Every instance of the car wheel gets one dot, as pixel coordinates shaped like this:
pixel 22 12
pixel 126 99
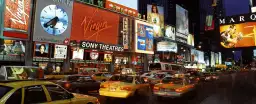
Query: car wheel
pixel 104 80
pixel 159 98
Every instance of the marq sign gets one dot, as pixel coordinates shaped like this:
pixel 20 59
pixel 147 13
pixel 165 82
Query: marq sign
pixel 237 19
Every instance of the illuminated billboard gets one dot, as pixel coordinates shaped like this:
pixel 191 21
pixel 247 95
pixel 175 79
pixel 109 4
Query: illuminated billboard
pixel 238 35
pixel 170 32
pixel 182 25
pixel 94 24
pixel 16 18
pixel 166 46
pixel 155 16
pixel 144 37
pixel 129 7
pixel 191 40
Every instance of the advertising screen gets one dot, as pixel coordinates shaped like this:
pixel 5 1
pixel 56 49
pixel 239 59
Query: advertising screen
pixel 212 59
pixel 17 18
pixel 166 46
pixel 144 37
pixel 60 51
pixel 238 35
pixel 194 55
pixel 170 32
pixel 220 58
pixel 78 53
pixel 155 16
pixel 201 57
pixel 41 50
pixel 216 58
pixel 94 24
pixel 254 52
pixel 108 57
pixel 53 21
pixel 182 25
pixel 191 40
pixel 12 48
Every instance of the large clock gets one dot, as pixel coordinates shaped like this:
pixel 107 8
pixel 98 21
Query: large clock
pixel 54 20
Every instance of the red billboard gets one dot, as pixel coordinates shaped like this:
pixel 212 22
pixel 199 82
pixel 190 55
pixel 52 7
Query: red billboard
pixel 94 24
pixel 17 18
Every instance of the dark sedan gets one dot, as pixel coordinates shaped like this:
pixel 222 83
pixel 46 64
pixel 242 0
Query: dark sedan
pixel 79 83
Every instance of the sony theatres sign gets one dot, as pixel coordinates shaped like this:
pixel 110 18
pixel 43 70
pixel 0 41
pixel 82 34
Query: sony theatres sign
pixel 238 19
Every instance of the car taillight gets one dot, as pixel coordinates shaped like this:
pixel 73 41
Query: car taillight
pixel 103 86
pixel 178 90
pixel 156 88
pixel 126 88
pixel 67 85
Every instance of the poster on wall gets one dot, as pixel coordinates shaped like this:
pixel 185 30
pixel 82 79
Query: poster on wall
pixel 129 7
pixel 182 25
pixel 60 51
pixel 144 37
pixel 78 54
pixel 41 50
pixel 170 32
pixel 53 21
pixel 85 24
pixel 166 46
pixel 155 16
pixel 16 18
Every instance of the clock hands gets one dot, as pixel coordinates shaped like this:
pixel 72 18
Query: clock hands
pixel 52 22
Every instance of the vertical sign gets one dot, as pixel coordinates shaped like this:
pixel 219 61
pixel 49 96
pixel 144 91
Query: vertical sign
pixel 125 31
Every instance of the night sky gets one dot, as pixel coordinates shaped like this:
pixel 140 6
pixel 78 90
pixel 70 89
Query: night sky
pixel 236 7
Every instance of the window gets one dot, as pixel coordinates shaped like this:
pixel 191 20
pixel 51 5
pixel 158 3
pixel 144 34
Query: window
pixel 34 94
pixel 98 74
pixel 57 93
pixel 15 98
pixel 4 90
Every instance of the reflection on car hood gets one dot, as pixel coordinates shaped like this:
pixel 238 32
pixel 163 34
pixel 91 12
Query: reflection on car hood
pixel 174 86
pixel 81 96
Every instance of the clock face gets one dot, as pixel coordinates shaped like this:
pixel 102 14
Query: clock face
pixel 54 20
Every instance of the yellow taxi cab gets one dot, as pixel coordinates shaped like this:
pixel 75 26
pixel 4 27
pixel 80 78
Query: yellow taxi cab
pixel 173 87
pixel 124 86
pixel 102 76
pixel 34 92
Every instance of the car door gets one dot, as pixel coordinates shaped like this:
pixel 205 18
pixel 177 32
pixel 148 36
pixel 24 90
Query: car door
pixel 15 98
pixel 34 95
pixel 57 95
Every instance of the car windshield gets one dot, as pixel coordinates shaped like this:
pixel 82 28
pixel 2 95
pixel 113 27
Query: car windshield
pixel 4 90
pixel 160 76
pixel 77 78
pixel 127 79
pixel 172 80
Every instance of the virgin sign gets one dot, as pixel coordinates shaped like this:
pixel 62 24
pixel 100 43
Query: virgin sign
pixel 16 15
pixel 94 24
